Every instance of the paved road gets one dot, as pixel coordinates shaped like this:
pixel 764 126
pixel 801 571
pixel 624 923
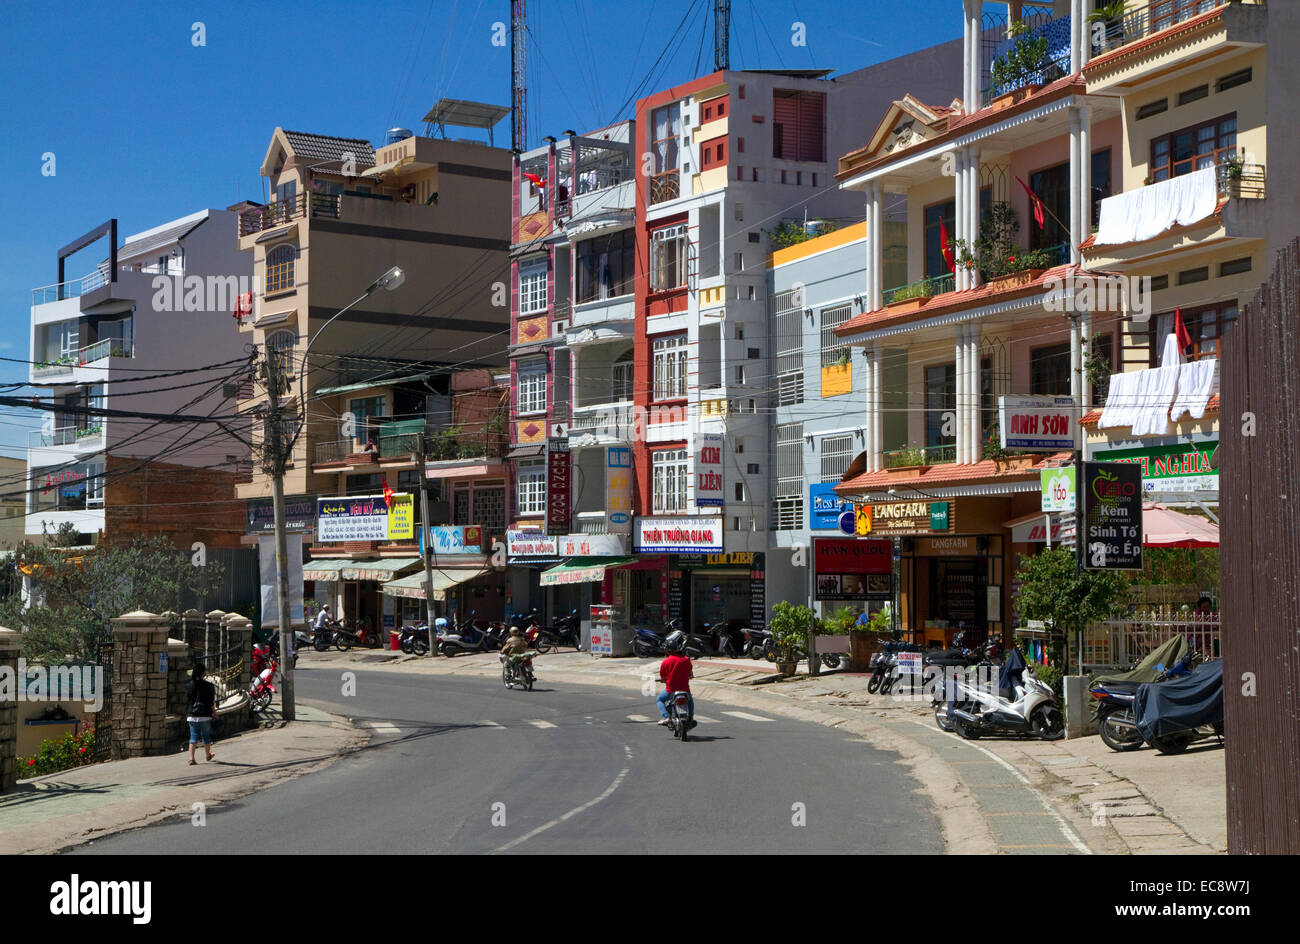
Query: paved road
pixel 578 769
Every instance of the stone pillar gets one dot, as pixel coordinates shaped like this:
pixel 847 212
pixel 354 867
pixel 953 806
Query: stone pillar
pixel 139 686
pixel 212 634
pixel 178 676
pixel 192 628
pixel 10 644
pixel 239 634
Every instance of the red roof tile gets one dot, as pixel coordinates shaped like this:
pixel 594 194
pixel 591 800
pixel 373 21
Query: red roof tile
pixel 950 473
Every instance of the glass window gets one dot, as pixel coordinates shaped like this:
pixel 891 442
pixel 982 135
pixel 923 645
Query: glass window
pixel 940 398
pixel 668 258
pixel 532 290
pixel 68 488
pixel 621 379
pixel 532 388
pixel 670 367
pixel 1206 325
pixel 1194 148
pixel 530 485
pixel 606 266
pixel 367 412
pixel 669 474
pixel 280 268
pixel 1049 370
pixel 787 342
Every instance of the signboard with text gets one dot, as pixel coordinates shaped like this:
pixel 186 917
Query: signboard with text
pixel 1183 469
pixel 456 539
pixel 299 514
pixel 852 569
pixel 1058 490
pixel 908 517
pixel 618 490
pixel 825 507
pixel 1037 423
pixel 530 544
pixel 353 518
pixel 559 487
pixel 1110 516
pixel 708 470
pixel 681 534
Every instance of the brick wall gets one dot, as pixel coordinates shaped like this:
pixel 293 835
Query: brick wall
pixel 183 503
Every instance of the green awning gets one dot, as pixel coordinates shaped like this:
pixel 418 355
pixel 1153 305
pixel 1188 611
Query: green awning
pixel 582 570
pixel 374 568
pixel 444 578
pixel 326 569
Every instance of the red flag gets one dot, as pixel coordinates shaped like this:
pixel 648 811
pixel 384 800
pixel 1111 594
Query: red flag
pixel 1035 203
pixel 537 181
pixel 388 492
pixel 949 258
pixel 1180 331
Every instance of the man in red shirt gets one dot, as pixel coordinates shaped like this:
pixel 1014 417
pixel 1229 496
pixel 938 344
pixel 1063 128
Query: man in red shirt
pixel 675 673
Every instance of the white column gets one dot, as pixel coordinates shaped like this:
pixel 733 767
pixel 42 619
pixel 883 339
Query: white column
pixel 1085 172
pixel 877 259
pixel 973 208
pixel 1085 347
pixel 959 212
pixel 963 438
pixel 1076 362
pixel 1078 28
pixel 973 393
pixel 877 393
pixel 1075 233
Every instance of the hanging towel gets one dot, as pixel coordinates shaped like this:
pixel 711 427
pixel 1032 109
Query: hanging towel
pixel 1196 383
pixel 1155 396
pixel 1121 399
pixel 1173 351
pixel 1137 215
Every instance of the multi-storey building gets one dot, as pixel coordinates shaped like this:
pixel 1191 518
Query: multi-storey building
pixel 723 160
pixel 1026 162
pixel 158 304
pixel 343 213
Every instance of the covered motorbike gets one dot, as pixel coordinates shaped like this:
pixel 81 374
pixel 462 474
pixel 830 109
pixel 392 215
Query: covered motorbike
pixel 1171 715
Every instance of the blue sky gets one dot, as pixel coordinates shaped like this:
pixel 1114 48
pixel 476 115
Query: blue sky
pixel 146 126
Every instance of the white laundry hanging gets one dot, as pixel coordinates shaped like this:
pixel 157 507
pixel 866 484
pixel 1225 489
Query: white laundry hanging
pixel 1137 215
pixel 1121 399
pixel 1197 382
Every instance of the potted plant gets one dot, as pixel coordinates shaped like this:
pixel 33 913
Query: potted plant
pixel 789 627
pixel 867 636
pixel 1017 72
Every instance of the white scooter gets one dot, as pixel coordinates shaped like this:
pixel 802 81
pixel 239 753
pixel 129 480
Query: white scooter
pixel 975 710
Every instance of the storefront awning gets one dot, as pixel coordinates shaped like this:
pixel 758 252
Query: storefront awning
pixel 374 568
pixel 322 569
pixel 581 570
pixel 444 578
pixel 1164 528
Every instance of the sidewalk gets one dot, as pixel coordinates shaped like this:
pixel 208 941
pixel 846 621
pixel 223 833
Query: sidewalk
pixel 1140 802
pixel 51 813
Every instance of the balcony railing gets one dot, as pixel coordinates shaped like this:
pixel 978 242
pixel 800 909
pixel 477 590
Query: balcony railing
pixel 925 288
pixel 81 436
pixel 286 211
pixel 928 455
pixel 401 445
pixel 73 288
pixel 1239 179
pixel 605 419
pixel 1151 18
pixel 109 347
pixel 590 522
pixel 664 187
pixel 333 451
pixel 1048 70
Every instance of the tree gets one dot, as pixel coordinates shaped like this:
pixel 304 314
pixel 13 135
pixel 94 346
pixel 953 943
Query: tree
pixel 76 592
pixel 1054 590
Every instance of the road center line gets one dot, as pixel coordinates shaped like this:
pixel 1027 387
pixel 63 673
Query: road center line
pixel 573 812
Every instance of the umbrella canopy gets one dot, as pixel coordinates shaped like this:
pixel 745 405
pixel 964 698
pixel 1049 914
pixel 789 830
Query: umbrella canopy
pixel 1162 527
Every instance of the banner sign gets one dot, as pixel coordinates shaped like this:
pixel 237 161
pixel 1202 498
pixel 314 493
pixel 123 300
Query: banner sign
pixel 299 514
pixel 353 518
pixel 1058 489
pixel 401 517
pixel 908 517
pixel 849 569
pixel 825 507
pixel 618 490
pixel 1037 423
pixel 1110 513
pixel 708 470
pixel 456 539
pixel 530 544
pixel 559 487
pixel 1181 469
pixel 593 545
pixel 667 535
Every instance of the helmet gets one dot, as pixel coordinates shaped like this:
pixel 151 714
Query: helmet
pixel 516 631
pixel 675 642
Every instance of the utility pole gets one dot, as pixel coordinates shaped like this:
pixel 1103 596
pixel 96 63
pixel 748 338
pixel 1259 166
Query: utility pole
pixel 518 78
pixel 428 539
pixel 275 461
pixel 721 35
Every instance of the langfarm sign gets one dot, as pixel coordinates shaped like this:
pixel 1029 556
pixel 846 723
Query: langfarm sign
pixel 708 470
pixel 677 535
pixel 1037 423
pixel 365 518
pixel 908 518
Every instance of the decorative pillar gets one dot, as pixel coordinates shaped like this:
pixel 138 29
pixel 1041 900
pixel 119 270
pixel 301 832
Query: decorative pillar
pixel 1076 222
pixel 179 663
pixel 973 391
pixel 10 645
pixel 139 705
pixel 1085 177
pixel 212 632
pixel 959 387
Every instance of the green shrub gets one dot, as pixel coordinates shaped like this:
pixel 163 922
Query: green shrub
pixel 55 754
pixel 1051 675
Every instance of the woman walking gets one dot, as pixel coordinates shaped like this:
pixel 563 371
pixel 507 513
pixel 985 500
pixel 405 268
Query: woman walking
pixel 202 698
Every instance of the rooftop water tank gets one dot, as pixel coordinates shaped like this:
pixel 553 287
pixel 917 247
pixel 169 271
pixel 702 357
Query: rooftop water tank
pixel 397 134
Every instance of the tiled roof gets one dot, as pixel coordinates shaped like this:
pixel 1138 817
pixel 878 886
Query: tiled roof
pixel 950 473
pixel 1092 417
pixel 321 147
pixel 1091 241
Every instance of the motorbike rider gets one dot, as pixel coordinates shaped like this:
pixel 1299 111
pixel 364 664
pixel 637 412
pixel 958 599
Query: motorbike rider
pixel 675 672
pixel 516 644
pixel 323 620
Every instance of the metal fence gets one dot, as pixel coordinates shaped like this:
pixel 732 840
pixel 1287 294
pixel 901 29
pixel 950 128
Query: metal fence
pixel 224 670
pixel 1121 644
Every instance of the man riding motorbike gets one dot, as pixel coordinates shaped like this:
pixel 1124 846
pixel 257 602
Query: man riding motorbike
pixel 516 643
pixel 675 672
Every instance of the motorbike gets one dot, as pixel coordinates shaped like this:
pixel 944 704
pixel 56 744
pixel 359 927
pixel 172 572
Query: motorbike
pixel 565 632
pixel 467 638
pixel 756 642
pixel 414 639
pixel 648 642
pixel 1113 702
pixel 884 662
pixel 1022 704
pixel 1172 715
pixel 722 639
pixel 273 646
pixel 937 664
pixel 679 720
pixel 517 669
pixel 322 638
pixel 357 634
pixel 263 687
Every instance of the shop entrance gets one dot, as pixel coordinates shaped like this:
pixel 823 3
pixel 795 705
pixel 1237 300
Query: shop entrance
pixel 958 588
pixel 719 595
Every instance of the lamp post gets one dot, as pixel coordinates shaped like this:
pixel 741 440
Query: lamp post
pixel 390 280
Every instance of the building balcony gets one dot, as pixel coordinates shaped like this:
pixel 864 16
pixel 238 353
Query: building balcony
pixel 664 187
pixel 83 357
pixel 280 213
pixel 602 423
pixel 83 437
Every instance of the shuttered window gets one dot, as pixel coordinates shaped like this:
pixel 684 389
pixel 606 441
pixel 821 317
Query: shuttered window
pixel 787 472
pixel 837 453
pixel 787 341
pixel 835 349
pixel 798 125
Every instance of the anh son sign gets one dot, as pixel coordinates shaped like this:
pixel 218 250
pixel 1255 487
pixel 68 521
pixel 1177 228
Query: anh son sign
pixel 1037 423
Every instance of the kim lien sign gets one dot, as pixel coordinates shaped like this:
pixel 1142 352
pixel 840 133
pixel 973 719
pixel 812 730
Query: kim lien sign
pixel 1110 514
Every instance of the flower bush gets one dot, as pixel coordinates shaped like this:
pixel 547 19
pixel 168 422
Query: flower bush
pixel 55 754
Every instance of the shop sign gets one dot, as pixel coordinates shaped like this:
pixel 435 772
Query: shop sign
pixel 708 470
pixel 946 547
pixel 530 544
pixel 593 545
pixel 352 518
pixel 457 539
pixel 1037 423
pixel 559 482
pixel 1181 468
pixel 1110 511
pixel 910 663
pixel 849 569
pixel 401 517
pixel 602 629
pixel 299 514
pixel 734 557
pixel 670 535
pixel 1058 489
pixel 825 507
pixel 618 490
pixel 908 517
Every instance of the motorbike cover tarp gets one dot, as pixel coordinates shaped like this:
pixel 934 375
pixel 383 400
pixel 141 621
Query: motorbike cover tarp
pixel 1167 654
pixel 950 657
pixel 1012 670
pixel 1181 704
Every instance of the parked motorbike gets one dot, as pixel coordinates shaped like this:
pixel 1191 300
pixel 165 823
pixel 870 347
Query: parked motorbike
pixel 273 645
pixel 467 638
pixel 647 642
pixel 1113 702
pixel 517 669
pixel 755 642
pixel 1023 704
pixel 322 638
pixel 263 687
pixel 565 632
pixel 414 639
pixel 939 664
pixel 355 634
pixel 884 665
pixel 1172 715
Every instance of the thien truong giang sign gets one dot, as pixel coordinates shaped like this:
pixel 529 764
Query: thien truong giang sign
pixel 672 535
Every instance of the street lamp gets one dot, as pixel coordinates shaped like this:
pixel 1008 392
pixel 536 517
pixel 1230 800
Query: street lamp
pixel 390 280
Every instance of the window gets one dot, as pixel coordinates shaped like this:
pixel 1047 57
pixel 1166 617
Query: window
pixel 1052 184
pixel 1152 108
pixel 1206 325
pixel 531 387
pixel 835 350
pixel 1233 79
pixel 532 290
pixel 606 266
pixel 740 212
pixel 787 343
pixel 530 486
pixel 669 473
pixel 1100 177
pixel 364 484
pixel 1159 282
pixel 798 125
pixel 668 258
pixel 1193 95
pixel 740 145
pixel 490 508
pixel 1195 148
pixel 68 488
pixel 664 133
pixel 934 264
pixel 621 379
pixel 837 453
pixel 1192 276
pixel 740 492
pixel 1234 266
pixel 366 413
pixel 940 398
pixel 670 367
pixel 1049 370
pixel 62 340
pixel 787 471
pixel 280 268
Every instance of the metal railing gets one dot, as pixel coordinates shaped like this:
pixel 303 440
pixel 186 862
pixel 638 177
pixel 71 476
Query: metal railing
pixel 224 670
pixel 325 205
pixel 333 451
pixel 1121 644
pixel 1048 71
pixel 109 347
pixel 1239 179
pixel 403 444
pixel 924 288
pixel 1152 18
pixel 73 288
pixel 664 187
pixel 928 455
pixel 590 522
pixel 67 435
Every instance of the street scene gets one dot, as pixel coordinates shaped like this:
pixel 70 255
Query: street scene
pixel 691 428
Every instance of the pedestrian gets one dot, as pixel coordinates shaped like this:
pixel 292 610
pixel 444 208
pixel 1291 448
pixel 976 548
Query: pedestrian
pixel 202 698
